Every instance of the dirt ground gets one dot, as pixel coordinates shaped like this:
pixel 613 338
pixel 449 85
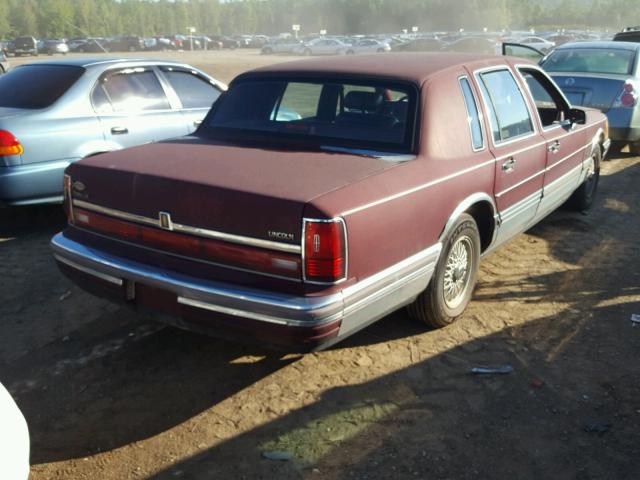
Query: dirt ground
pixel 109 395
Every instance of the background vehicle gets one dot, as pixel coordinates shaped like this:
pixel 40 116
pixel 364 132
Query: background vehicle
pixel 629 34
pixel 420 45
pixel 25 46
pixel 89 107
pixel 280 45
pixel 537 43
pixel 602 75
pixel 129 43
pixel 14 440
pixel 89 45
pixel 368 46
pixel 227 42
pixel 322 46
pixel 4 63
pixel 52 46
pixel 480 45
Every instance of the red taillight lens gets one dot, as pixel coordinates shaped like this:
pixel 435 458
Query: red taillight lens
pixel 9 144
pixel 325 250
pixel 628 98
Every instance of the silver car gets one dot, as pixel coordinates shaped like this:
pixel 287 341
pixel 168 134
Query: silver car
pixel 322 46
pixel 54 113
pixel 368 46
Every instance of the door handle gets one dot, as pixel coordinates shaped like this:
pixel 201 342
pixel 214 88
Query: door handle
pixel 555 147
pixel 197 123
pixel 509 165
pixel 119 130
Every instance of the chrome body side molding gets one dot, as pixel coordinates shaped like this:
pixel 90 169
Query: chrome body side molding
pixel 200 232
pixel 357 305
pixel 464 206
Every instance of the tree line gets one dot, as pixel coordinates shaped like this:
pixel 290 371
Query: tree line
pixel 71 18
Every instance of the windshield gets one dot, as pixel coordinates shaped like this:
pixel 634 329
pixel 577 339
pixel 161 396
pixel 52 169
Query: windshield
pixel 36 86
pixel 590 60
pixel 364 115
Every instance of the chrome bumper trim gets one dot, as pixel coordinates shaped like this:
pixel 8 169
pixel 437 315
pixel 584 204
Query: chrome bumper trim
pixel 200 232
pixel 90 271
pixel 357 305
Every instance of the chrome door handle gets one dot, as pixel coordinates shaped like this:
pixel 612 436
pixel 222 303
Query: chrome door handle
pixel 555 148
pixel 509 165
pixel 119 130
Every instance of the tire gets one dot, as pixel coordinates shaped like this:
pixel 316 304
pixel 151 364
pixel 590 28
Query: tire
pixel 583 198
pixel 462 244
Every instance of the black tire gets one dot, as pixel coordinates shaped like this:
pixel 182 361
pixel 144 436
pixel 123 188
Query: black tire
pixel 583 198
pixel 431 307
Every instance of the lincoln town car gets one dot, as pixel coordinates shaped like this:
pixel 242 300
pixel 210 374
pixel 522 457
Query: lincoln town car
pixel 320 195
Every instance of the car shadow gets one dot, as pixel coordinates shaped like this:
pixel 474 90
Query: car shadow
pixel 434 419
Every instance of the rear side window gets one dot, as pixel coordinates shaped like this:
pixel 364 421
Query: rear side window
pixel 36 86
pixel 129 90
pixel 473 116
pixel 193 90
pixel 509 116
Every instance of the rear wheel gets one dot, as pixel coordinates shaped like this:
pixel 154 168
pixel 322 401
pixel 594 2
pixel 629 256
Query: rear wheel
pixel 584 196
pixel 454 278
pixel 634 148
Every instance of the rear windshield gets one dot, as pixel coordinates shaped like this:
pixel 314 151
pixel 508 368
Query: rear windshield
pixel 36 86
pixel 590 60
pixel 364 115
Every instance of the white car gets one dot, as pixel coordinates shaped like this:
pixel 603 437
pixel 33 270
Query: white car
pixel 14 440
pixel 368 46
pixel 537 43
pixel 323 46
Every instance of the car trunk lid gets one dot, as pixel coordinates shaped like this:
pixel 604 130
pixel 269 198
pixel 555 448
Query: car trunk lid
pixel 232 194
pixel 591 90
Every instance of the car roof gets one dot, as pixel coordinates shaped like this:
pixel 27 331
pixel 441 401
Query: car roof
pixel 601 44
pixel 415 67
pixel 101 61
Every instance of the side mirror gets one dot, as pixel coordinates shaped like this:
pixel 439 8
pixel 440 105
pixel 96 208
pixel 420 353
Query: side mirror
pixel 578 116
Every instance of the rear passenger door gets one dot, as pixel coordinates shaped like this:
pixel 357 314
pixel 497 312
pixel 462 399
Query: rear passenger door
pixel 133 107
pixel 194 92
pixel 517 146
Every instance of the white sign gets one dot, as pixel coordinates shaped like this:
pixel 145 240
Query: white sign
pixel 192 29
pixel 414 29
pixel 323 32
pixel 295 27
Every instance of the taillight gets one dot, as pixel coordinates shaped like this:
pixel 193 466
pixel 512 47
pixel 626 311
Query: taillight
pixel 68 205
pixel 9 144
pixel 325 250
pixel 628 97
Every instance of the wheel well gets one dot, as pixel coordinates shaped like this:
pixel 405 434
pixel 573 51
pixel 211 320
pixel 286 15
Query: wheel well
pixel 482 213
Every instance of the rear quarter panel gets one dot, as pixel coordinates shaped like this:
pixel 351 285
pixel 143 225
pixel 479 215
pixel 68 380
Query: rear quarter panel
pixel 403 210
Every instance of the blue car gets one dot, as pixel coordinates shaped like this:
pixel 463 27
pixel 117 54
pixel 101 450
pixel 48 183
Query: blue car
pixel 606 76
pixel 54 113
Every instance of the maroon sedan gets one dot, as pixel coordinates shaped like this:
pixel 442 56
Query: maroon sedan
pixel 318 196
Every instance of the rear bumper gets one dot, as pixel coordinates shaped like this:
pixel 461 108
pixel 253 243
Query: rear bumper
pixel 30 184
pixel 220 309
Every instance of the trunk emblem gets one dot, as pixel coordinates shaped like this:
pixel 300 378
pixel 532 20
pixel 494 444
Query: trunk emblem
pixel 79 186
pixel 165 221
pixel 570 81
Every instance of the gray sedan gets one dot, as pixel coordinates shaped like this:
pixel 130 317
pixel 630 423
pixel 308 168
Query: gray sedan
pixel 54 113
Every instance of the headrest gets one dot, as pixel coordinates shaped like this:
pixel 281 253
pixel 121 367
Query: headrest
pixel 363 101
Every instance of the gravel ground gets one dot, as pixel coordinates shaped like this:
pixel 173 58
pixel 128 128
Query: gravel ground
pixel 110 395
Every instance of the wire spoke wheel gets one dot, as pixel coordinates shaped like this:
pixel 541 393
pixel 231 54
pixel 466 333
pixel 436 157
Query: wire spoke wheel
pixel 457 272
